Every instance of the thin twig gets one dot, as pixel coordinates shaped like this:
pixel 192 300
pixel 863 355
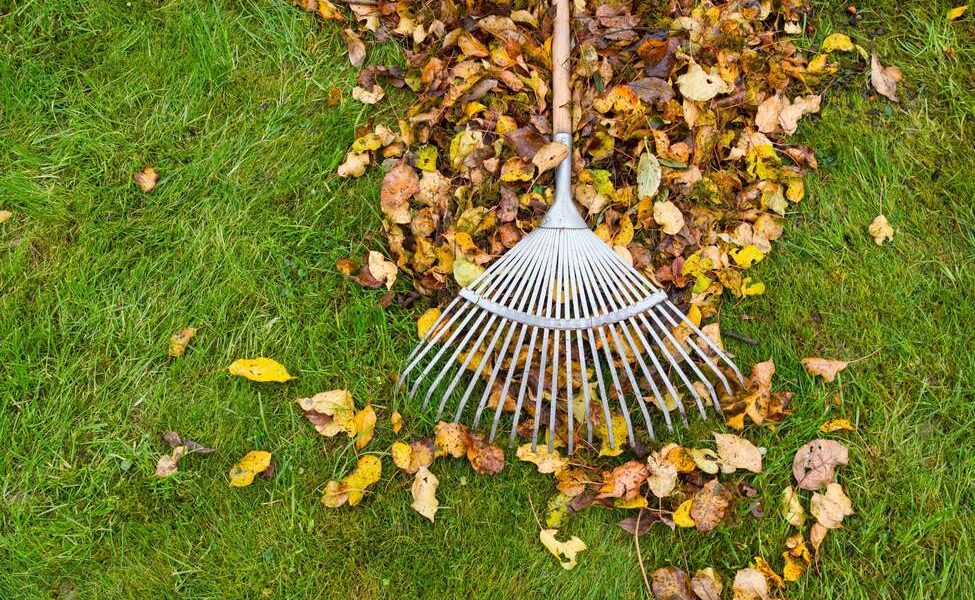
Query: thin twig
pixel 639 555
pixel 741 338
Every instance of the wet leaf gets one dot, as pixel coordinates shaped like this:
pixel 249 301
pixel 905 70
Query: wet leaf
pixel 884 79
pixel 260 369
pixel 485 458
pixel 709 504
pixel 824 367
pixel 424 493
pixel 792 510
pixel 880 230
pixel 146 179
pixel 566 551
pixel 815 463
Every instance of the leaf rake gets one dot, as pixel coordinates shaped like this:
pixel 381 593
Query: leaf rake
pixel 558 310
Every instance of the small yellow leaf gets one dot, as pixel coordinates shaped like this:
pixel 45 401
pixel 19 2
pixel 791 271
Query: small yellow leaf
pixel 837 42
pixel 625 234
pixel 260 369
pixel 747 256
pixel 547 462
pixel 366 473
pixel 396 420
pixel 792 509
pixel 694 315
pixel 426 158
pixel 957 12
pixel 682 516
pixel 402 455
pixel 5 215
pixel 564 551
pixel 619 437
pixel 748 288
pixel 254 462
pixel 837 425
pixel 365 425
pixel 426 321
pixel 179 340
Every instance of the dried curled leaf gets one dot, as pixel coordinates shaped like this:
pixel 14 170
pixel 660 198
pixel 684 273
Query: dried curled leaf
pixel 485 458
pixel 884 79
pixel 179 341
pixel 738 453
pixel 830 508
pixel 824 367
pixel 880 230
pixel 146 179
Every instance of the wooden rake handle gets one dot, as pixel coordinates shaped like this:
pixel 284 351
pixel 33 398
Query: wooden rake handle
pixel 561 47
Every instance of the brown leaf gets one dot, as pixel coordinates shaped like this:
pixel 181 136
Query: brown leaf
pixel 167 465
pixel 357 50
pixel 624 481
pixel 549 156
pixel 750 584
pixel 452 439
pixel 653 90
pixel 671 583
pixel 174 440
pixel 738 453
pixel 830 508
pixel 487 459
pixel 399 185
pixel 709 505
pixel 525 141
pixel 824 367
pixel 146 179
pixel 706 584
pixel 647 517
pixel 815 463
pixel 884 79
pixel 179 341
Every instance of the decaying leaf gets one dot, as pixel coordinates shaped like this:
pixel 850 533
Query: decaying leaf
pixel 179 341
pixel 682 514
pixel 700 85
pixel 399 185
pixel 884 79
pixel 167 464
pixel 566 551
pixel 174 440
pixel 738 453
pixel 424 493
pixel 382 270
pixel 671 583
pixel 354 165
pixel 623 481
pixel 452 439
pixel 549 156
pixel 365 425
pixel 837 425
pixel 353 487
pixel 661 476
pixel 709 505
pixel 707 585
pixel 146 179
pixel 668 216
pixel 880 230
pixel 485 458
pixel 330 412
pixel 750 584
pixel 369 96
pixel 260 369
pixel 815 463
pixel 824 367
pixel 254 462
pixel 830 508
pixel 547 462
pixel 792 509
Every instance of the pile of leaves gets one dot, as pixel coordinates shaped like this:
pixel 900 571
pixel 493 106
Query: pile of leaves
pixel 681 115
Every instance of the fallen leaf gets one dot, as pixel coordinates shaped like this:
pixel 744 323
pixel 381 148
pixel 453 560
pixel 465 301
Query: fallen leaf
pixel 682 514
pixel 799 107
pixel 880 230
pixel 671 583
pixel 709 504
pixel 705 459
pixel 399 185
pixel 797 558
pixel 661 477
pixel 466 272
pixel 175 440
pixel 648 178
pixel 815 463
pixel 354 165
pixel 706 584
pixel 750 584
pixel 956 13
pixel 557 511
pixel 837 42
pixel 353 487
pixel 330 412
pixel 668 216
pixel 167 464
pixel 452 439
pixel 424 493
pixel 817 533
pixel 762 566
pixel 254 462
pixel 792 509
pixel 623 481
pixel 830 508
pixel 699 85
pixel 486 459
pixel 426 321
pixel 146 179
pixel 381 269
pixel 329 11
pixel 5 216
pixel 837 425
pixel 545 461
pixel 365 426
pixel 179 341
pixel 396 421
pixel 549 156
pixel 334 97
pixel 357 50
pixel 368 96
pixel 260 369
pixel 824 367
pixel 767 115
pixel 566 551
pixel 884 79
pixel 738 453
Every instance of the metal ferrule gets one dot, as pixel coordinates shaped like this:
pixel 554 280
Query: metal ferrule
pixel 563 213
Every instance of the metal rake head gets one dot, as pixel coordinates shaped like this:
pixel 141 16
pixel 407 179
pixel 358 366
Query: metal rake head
pixel 558 327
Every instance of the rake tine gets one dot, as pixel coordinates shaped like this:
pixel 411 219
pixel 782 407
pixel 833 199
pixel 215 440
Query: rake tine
pixel 477 372
pixel 512 367
pixel 430 338
pixel 558 300
pixel 710 343
pixel 453 357
pixel 548 303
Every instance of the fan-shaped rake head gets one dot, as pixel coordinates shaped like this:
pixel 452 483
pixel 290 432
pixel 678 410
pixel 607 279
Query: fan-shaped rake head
pixel 561 331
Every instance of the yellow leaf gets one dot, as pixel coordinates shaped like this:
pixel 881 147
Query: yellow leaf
pixel 396 420
pixel 762 566
pixel 329 11
pixel 625 234
pixel 747 256
pixel 547 462
pixel 564 551
pixel 5 215
pixel 365 425
pixel 795 189
pixel 694 314
pixel 260 369
pixel 424 493
pixel 330 412
pixel 426 158
pixel 426 321
pixel 177 343
pixel 465 272
pixel 517 169
pixel 452 439
pixel 382 269
pixel 752 289
pixel 837 425
pixel 700 85
pixel 837 42
pixel 957 12
pixel 366 473
pixel 402 455
pixel 668 216
pixel 255 461
pixel 792 509
pixel 682 516
pixel 619 437
pixel 880 230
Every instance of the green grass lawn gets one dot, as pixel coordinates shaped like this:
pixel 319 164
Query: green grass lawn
pixel 228 101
